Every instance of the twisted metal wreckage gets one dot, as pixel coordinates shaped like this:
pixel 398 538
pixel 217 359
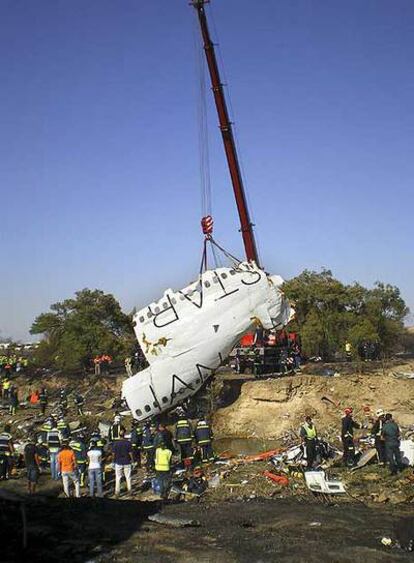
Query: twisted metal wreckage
pixel 187 334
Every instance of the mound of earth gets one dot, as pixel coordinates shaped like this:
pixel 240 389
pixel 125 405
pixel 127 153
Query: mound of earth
pixel 267 409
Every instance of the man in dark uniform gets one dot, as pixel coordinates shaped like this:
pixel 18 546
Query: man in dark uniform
pixel 347 435
pixel 43 399
pixel 148 445
pixel 79 402
pixel 163 435
pixel 391 434
pixel 203 437
pixel 136 442
pixel 32 462
pixel 115 430
pixel 6 452
pixel 184 438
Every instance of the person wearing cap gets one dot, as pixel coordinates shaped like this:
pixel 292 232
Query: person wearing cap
pixel 115 430
pixel 42 452
pixel 78 445
pixel 376 433
pixel 347 435
pixel 391 435
pixel 309 436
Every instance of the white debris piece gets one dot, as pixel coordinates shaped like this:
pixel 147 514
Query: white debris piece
pixel 316 482
pixel 187 334
pixel 407 451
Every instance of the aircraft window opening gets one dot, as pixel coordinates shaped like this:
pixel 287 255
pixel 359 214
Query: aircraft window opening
pixel 147 408
pixel 233 272
pixel 173 300
pixel 141 319
pixel 164 399
pixel 198 381
pixel 138 412
pixel 215 280
pixel 224 276
pixel 155 405
pixel 207 284
pixel 157 309
pixel 182 297
pixel 149 314
pixel 165 305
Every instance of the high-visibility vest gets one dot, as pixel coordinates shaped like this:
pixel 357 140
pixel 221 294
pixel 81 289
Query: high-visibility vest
pixel 53 440
pixel 162 459
pixel 63 429
pixel 46 426
pixel 147 439
pixel 310 432
pixel 5 441
pixel 202 433
pixel 183 432
pixel 6 384
pixel 80 450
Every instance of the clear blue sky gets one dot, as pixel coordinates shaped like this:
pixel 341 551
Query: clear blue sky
pixel 99 170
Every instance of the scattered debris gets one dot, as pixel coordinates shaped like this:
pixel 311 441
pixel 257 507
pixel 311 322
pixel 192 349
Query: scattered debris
pixel 317 483
pixel 386 541
pixel 404 374
pixel 279 479
pixel 407 451
pixel 365 458
pixel 173 522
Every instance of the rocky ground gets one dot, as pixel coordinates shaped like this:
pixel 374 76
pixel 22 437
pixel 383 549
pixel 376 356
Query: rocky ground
pixel 245 516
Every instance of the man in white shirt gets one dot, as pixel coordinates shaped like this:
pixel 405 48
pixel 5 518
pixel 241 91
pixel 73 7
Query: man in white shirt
pixel 95 469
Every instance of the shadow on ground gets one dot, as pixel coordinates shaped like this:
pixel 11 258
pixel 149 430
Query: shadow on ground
pixel 75 529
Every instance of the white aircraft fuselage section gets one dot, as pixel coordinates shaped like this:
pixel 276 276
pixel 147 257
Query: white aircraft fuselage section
pixel 187 334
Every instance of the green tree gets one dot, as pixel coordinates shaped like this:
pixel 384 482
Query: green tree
pixel 76 330
pixel 328 313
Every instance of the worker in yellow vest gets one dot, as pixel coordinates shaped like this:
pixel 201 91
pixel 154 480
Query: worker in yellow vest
pixel 6 388
pixel 162 469
pixel 309 437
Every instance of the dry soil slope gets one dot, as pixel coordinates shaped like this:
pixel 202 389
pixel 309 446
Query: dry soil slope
pixel 267 409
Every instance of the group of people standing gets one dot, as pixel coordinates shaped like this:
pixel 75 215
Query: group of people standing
pixel 12 364
pixel 385 432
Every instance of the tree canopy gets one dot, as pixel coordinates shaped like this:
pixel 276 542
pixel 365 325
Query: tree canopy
pixel 329 313
pixel 76 330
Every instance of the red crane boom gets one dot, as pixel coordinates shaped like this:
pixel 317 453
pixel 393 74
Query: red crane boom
pixel 227 134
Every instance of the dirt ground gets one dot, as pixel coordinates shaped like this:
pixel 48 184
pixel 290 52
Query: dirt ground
pixel 245 517
pixel 268 408
pixel 236 531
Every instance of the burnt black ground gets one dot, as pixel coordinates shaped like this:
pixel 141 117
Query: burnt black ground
pixel 258 530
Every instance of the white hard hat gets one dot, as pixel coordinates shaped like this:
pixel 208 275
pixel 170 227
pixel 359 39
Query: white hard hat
pixel 380 412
